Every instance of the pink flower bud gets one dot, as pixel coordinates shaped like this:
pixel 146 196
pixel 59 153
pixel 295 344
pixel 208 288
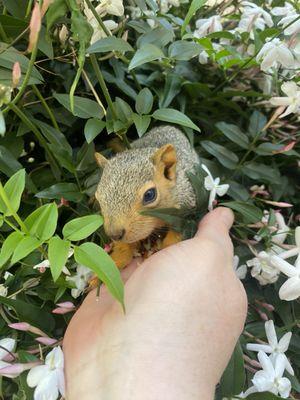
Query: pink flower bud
pixel 285 148
pixel 278 203
pixel 35 27
pixel 46 340
pixel 20 326
pixel 62 310
pixel 12 371
pixel 262 315
pixel 66 304
pixel 9 357
pixel 16 74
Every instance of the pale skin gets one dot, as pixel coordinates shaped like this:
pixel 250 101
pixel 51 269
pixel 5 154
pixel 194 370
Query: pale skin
pixel 185 310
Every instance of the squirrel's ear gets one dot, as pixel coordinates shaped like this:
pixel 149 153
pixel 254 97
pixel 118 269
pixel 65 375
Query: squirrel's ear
pixel 100 160
pixel 165 160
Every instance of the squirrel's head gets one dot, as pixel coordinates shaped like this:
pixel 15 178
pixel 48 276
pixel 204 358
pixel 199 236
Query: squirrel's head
pixel 134 181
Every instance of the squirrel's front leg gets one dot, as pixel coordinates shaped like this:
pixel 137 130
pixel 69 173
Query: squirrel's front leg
pixel 122 253
pixel 172 237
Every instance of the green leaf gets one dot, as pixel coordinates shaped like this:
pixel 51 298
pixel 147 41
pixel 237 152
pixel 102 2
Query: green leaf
pixel 68 191
pixel 267 149
pixel 224 156
pixel 82 227
pixel 123 110
pixel 9 246
pixel 147 53
pixel 175 117
pixel 233 379
pixel 194 7
pixel 171 89
pixel 183 50
pixel 13 188
pixel 141 123
pixel 42 222
pixel 95 258
pixel 8 162
pixel 110 43
pixel 250 213
pixel 262 172
pixel 144 101
pixel 56 10
pixel 92 128
pixel 233 133
pixel 83 108
pixel 26 246
pixel 263 396
pixel 27 312
pixel 2 124
pixel 58 251
pixel 257 122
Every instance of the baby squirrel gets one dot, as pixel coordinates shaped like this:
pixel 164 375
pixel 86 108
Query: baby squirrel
pixel 152 174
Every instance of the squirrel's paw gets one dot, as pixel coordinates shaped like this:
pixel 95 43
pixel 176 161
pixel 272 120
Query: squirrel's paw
pixel 172 237
pixel 122 253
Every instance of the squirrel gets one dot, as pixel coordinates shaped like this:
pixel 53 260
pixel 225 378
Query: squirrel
pixel 150 175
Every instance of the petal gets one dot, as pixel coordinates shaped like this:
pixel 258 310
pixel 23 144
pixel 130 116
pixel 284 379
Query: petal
pixel 284 387
pixel 241 272
pixel 285 56
pixel 290 290
pixel 268 61
pixel 284 342
pixel 289 88
pixel 266 363
pixel 55 358
pixel 222 189
pixel 283 266
pixel 36 374
pixel 280 363
pixel 259 347
pixel 47 388
pixel 291 109
pixel 6 346
pixel 61 382
pixel 262 381
pixel 297 236
pixel 280 101
pixel 289 368
pixel 271 333
pixel 209 184
pixel 212 197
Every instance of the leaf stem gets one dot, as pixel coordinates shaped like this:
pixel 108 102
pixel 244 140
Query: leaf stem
pixel 103 85
pixel 47 108
pixel 98 18
pixel 3 34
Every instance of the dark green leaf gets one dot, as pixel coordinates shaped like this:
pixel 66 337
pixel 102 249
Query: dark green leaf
pixel 82 227
pixel 234 134
pixel 224 156
pixel 68 191
pixel 141 123
pixel 57 9
pixel 8 163
pixel 83 107
pixel 257 122
pixel 2 124
pixel 147 53
pixel 250 213
pixel 92 128
pixel 183 50
pixel 58 251
pixel 175 117
pixel 95 258
pixel 261 172
pixel 233 379
pixel 111 43
pixel 144 101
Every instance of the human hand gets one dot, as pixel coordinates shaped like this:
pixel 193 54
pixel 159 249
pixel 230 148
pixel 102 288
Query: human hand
pixel 185 310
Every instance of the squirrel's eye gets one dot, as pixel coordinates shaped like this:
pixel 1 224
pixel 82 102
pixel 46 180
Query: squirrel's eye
pixel 149 196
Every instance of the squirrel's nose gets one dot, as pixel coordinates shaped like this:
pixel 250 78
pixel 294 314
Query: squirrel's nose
pixel 118 235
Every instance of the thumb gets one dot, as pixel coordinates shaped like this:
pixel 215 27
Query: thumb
pixel 216 225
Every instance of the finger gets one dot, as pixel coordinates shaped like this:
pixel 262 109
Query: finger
pixel 216 225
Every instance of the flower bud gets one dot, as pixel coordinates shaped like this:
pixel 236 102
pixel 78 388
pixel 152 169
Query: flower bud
pixel 66 304
pixel 46 340
pixel 20 326
pixel 35 27
pixel 12 371
pixel 16 74
pixel 5 94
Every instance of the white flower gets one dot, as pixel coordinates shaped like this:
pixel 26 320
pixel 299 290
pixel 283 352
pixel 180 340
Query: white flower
pixel 290 290
pixel 98 31
pixel 270 378
pixel 165 5
pixel 292 101
pixel 48 378
pixel 253 17
pixel 3 290
pixel 7 345
pixel 203 56
pixel 213 186
pixel 241 271
pixel 208 25
pixel 275 53
pixel 81 280
pixel 113 7
pixel 274 348
pixel 262 268
pixel 283 11
pixel 7 275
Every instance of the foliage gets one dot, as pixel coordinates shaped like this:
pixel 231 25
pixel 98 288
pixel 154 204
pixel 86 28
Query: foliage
pixel 74 92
